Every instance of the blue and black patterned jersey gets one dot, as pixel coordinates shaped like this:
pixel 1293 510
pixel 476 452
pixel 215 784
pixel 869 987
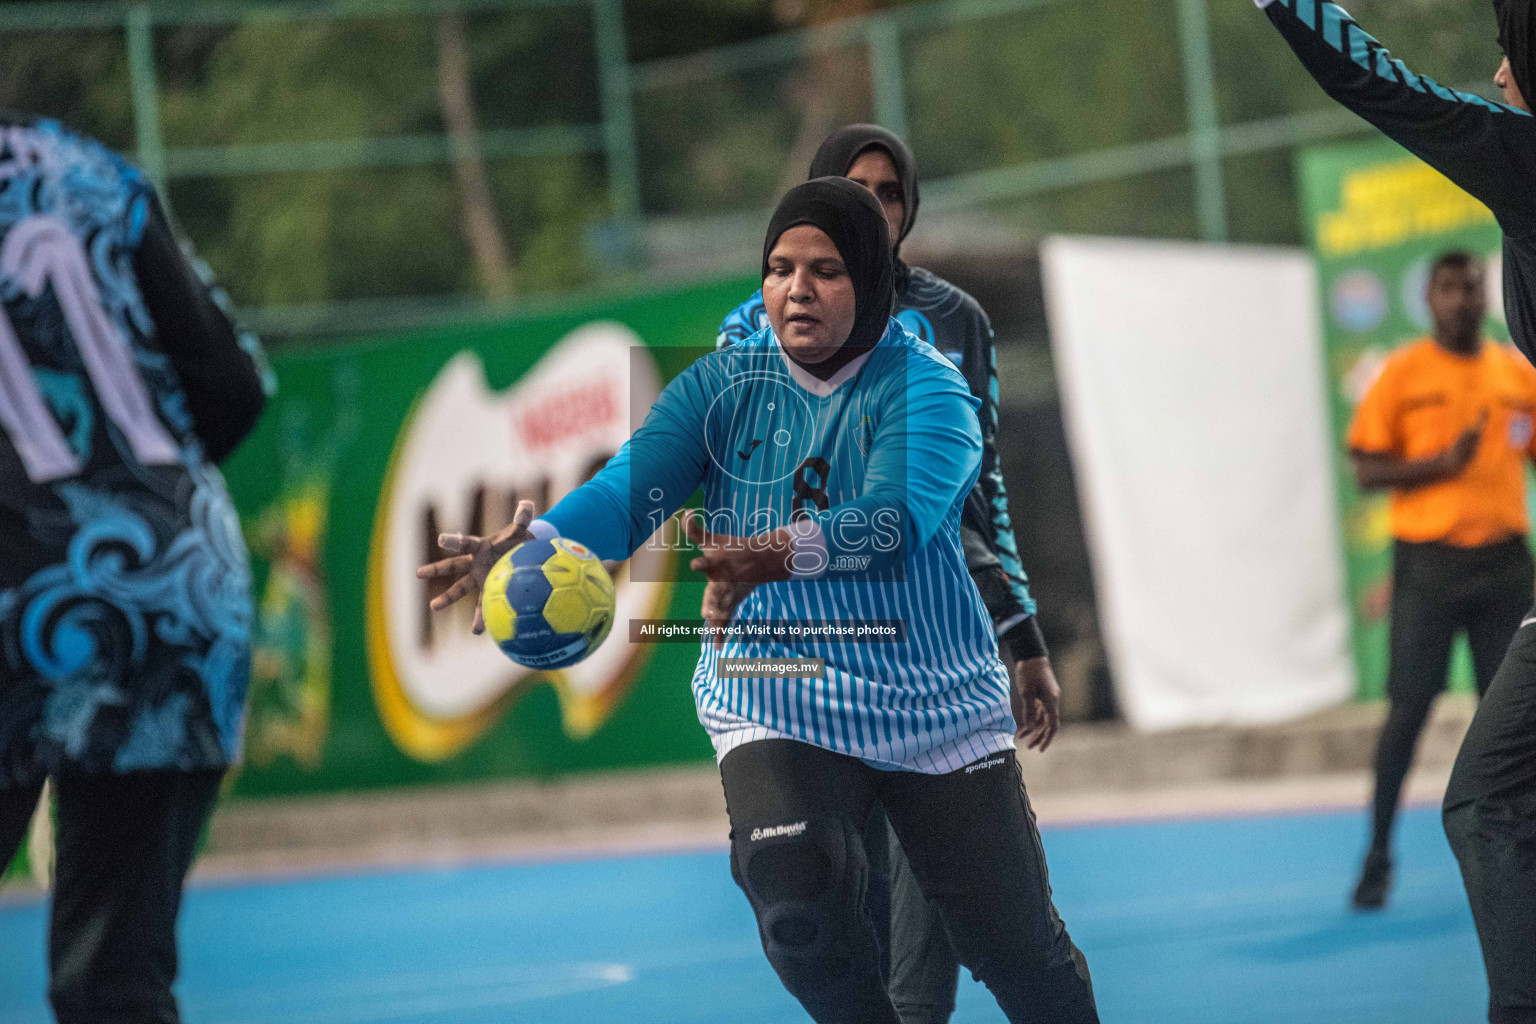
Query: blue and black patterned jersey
pixel 125 602
pixel 950 320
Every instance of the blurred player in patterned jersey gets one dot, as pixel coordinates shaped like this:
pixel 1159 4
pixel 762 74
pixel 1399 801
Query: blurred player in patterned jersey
pixel 125 605
pixel 922 966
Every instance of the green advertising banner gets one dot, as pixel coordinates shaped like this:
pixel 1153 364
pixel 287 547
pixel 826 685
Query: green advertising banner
pixel 1377 217
pixel 369 451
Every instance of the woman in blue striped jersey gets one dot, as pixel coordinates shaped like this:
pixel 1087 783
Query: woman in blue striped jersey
pixel 835 452
pixel 922 973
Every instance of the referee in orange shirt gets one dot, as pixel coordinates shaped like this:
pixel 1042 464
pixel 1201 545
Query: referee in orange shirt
pixel 1447 428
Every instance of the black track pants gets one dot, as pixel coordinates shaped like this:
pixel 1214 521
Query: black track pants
pixel 1438 591
pixel 922 974
pixel 797 850
pixel 123 849
pixel 1490 819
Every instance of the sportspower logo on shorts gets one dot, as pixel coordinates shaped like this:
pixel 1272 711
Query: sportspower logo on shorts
pixel 779 831
pixel 978 766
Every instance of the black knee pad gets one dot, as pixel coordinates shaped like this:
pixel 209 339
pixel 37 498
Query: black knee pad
pixel 805 880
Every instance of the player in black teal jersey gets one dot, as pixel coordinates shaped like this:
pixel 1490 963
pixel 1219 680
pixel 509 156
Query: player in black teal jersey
pixel 1489 149
pixel 922 967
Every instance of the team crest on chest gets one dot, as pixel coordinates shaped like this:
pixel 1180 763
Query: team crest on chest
pixel 865 435
pixel 1520 430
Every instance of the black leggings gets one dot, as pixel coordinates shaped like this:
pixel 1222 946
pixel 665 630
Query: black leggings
pixel 1438 591
pixel 124 845
pixel 797 813
pixel 921 972
pixel 1490 819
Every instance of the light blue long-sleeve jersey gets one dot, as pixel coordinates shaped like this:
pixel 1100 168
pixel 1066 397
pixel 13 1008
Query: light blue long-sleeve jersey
pixel 878 460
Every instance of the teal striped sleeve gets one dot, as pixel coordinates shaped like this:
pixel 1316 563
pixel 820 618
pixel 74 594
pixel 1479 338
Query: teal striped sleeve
pixel 924 457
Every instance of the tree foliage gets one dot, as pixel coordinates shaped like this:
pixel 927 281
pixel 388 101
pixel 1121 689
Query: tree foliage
pixel 1064 80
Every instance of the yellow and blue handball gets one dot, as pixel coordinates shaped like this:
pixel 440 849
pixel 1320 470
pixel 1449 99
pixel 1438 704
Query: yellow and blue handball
pixel 548 603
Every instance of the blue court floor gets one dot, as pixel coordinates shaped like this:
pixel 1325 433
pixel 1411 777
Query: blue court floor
pixel 1192 922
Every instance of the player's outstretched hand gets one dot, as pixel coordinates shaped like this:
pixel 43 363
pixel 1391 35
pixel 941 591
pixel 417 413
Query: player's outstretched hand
pixel 1038 702
pixel 734 567
pixel 472 564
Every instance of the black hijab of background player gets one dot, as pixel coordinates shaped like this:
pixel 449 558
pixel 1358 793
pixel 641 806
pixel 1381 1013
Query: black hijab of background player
pixel 839 150
pixel 1517 38
pixel 850 215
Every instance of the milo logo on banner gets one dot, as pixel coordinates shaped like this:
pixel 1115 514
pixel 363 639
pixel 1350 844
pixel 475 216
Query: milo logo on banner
pixel 464 457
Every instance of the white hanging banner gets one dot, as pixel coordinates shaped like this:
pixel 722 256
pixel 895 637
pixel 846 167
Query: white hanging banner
pixel 1193 392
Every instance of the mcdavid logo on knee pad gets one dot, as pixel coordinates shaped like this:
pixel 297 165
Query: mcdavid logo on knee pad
pixel 778 831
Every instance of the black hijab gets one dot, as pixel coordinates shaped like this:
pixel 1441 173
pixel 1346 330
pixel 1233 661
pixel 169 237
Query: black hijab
pixel 1517 38
pixel 851 216
pixel 840 149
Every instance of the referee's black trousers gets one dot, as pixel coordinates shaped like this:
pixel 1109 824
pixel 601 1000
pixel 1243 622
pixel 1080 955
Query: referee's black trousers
pixel 797 816
pixel 1439 590
pixel 1490 819
pixel 124 845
